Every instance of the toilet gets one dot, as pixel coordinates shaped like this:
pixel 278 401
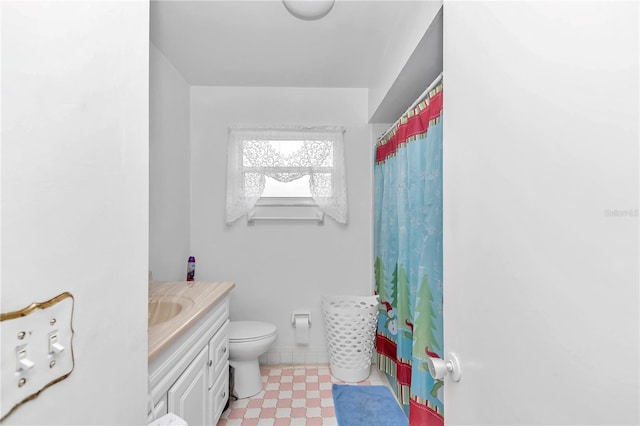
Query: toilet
pixel 247 341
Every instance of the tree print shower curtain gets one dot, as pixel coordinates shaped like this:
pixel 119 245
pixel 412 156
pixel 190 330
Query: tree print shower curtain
pixel 408 257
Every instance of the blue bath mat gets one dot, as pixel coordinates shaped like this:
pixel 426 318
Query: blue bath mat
pixel 367 406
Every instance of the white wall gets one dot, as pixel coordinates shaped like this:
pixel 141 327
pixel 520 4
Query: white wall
pixel 540 140
pixel 403 40
pixel 169 148
pixel 75 194
pixel 279 267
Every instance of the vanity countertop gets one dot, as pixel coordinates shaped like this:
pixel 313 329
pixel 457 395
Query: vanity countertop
pixel 198 297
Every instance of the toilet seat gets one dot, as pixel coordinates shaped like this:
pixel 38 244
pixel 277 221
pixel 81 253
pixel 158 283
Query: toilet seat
pixel 249 331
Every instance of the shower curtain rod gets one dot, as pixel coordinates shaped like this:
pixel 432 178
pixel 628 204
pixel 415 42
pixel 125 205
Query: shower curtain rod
pixel 424 94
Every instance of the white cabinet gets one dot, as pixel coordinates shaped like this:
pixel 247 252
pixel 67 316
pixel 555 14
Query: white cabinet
pixel 219 394
pixel 191 379
pixel 218 353
pixel 159 409
pixel 218 378
pixel 188 396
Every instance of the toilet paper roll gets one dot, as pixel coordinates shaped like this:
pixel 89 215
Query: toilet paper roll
pixel 302 330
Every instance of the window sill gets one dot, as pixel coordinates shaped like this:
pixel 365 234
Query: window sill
pixel 286 202
pixel 286 209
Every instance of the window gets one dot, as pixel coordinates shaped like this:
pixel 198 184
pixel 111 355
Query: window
pixel 295 164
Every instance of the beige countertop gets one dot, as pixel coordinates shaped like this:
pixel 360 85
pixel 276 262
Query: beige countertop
pixel 194 299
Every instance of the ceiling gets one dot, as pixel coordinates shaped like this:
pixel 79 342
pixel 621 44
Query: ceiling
pixel 258 43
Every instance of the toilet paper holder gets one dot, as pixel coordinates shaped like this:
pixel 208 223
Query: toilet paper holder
pixel 300 314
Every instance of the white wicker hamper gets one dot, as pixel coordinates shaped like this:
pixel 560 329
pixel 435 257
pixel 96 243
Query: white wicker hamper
pixel 350 323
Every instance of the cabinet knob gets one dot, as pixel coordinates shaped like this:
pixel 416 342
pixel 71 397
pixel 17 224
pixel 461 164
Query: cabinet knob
pixel 224 349
pixel 210 363
pixel 224 394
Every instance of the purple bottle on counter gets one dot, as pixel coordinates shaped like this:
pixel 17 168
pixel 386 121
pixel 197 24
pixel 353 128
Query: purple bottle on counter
pixel 191 268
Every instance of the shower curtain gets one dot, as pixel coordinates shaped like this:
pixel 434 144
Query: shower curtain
pixel 408 257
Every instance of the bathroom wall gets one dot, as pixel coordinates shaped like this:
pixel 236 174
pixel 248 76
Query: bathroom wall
pixel 75 195
pixel 401 44
pixel 541 277
pixel 169 148
pixel 279 267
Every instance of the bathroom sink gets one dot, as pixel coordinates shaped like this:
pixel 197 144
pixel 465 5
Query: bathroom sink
pixel 176 307
pixel 168 307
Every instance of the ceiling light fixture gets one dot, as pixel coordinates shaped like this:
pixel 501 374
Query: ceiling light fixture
pixel 309 10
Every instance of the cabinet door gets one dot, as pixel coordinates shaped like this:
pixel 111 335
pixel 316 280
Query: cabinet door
pixel 188 397
pixel 219 353
pixel 159 410
pixel 219 393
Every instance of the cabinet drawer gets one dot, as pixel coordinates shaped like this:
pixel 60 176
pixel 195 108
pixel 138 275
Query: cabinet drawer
pixel 219 394
pixel 218 352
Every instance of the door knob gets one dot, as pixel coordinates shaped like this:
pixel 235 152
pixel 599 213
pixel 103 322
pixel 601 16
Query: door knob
pixel 438 368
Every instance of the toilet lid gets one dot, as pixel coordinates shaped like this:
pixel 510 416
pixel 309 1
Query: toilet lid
pixel 250 330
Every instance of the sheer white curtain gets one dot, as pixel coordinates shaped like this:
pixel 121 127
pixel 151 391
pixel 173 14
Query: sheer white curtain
pixel 286 153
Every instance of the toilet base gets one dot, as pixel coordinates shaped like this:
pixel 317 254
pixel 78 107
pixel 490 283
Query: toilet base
pixel 246 378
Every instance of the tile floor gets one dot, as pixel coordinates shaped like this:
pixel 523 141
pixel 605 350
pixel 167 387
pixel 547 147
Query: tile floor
pixel 292 395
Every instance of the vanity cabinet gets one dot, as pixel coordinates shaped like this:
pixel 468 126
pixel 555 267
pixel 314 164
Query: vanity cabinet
pixel 188 396
pixel 191 377
pixel 218 372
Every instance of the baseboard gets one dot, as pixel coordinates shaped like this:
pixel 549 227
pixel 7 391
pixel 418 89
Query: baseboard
pixel 298 355
pixel 303 355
